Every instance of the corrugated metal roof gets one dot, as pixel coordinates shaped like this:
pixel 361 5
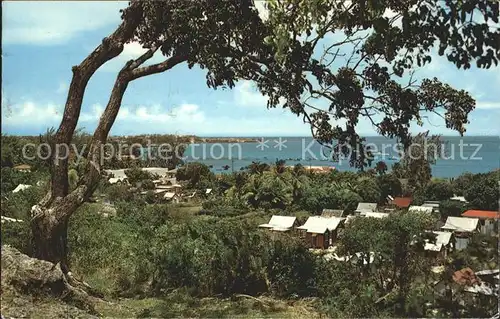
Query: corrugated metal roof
pixel 375 215
pixel 280 222
pixel 366 207
pixel 21 187
pixel 420 209
pixel 481 214
pixel 332 212
pixel 401 202
pixel 462 224
pixel 319 225
pixel 442 239
pixel 169 195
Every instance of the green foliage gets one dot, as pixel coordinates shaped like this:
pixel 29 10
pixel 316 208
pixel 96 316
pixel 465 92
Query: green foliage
pixel 369 190
pixel 147 184
pixel 451 208
pixel 11 178
pixel 110 252
pixel 389 184
pixel 438 190
pixel 119 192
pixel 194 173
pixel 72 178
pixel 136 174
pixel 483 192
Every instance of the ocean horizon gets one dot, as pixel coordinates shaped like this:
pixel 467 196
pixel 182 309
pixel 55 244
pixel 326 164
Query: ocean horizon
pixel 474 154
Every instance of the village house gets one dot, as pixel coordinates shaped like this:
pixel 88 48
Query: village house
pixel 433 204
pixel 20 188
pixel 320 232
pixel 281 223
pixel 366 207
pixel 172 197
pixel 375 215
pixel 22 168
pixel 443 245
pixel 488 220
pixel 332 212
pixel 400 202
pixel 463 228
pixel 459 198
pixel 421 209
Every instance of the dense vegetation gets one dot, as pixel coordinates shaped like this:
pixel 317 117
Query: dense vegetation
pixel 160 250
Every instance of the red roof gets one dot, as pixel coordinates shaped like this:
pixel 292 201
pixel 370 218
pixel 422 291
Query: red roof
pixel 482 214
pixel 402 202
pixel 465 277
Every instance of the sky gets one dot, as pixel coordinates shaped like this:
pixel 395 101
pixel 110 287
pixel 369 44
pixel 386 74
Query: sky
pixel 42 41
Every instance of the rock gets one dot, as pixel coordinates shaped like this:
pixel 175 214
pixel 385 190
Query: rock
pixel 31 286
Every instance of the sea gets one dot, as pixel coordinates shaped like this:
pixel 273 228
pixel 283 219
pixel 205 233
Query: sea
pixel 474 154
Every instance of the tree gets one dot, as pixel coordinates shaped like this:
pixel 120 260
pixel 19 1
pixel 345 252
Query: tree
pixel 193 173
pixel 451 208
pixel 461 183
pixel 136 175
pixel 194 32
pixel 368 189
pixel 258 167
pixel 397 244
pixel 367 71
pixel 226 38
pixel 389 184
pixel 483 192
pixel 381 168
pixel 424 151
pixel 438 190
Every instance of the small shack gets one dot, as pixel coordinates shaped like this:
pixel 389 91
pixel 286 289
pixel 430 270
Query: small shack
pixel 463 228
pixel 366 207
pixel 171 197
pixel 421 209
pixel 443 244
pixel 280 223
pixel 401 202
pixel 375 215
pixel 433 204
pixel 332 212
pixel 321 232
pixel 488 220
pixel 22 168
pixel 20 188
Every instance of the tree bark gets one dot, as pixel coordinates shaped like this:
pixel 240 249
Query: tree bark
pixel 49 223
pixel 110 47
pixel 50 216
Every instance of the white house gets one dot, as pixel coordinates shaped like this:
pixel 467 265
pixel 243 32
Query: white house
pixel 420 209
pixel 462 227
pixel 21 187
pixel 320 232
pixel 442 244
pixel 366 207
pixel 280 223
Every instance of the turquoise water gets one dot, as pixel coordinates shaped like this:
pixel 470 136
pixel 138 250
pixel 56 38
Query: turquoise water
pixel 468 154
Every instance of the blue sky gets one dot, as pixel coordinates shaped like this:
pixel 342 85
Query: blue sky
pixel 41 41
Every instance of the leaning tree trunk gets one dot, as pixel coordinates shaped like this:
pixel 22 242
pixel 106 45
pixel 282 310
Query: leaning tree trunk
pixel 50 225
pixel 50 216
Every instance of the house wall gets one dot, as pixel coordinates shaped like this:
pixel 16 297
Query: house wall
pixel 317 240
pixel 461 242
pixel 487 226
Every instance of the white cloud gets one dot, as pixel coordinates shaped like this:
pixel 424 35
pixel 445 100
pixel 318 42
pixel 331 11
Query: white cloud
pixel 62 88
pixel 247 95
pixel 488 105
pixel 131 51
pixel 49 23
pixel 29 113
